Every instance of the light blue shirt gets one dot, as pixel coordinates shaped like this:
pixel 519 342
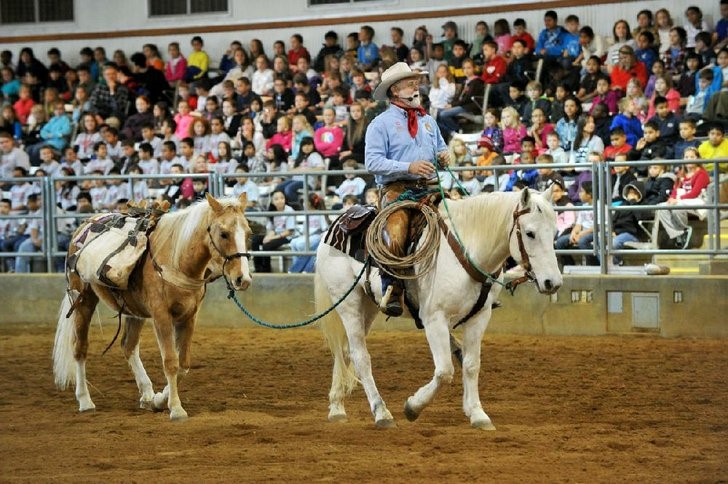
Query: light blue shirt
pixel 56 131
pixel 390 148
pixel 367 53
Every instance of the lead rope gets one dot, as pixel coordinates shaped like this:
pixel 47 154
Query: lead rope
pixel 299 324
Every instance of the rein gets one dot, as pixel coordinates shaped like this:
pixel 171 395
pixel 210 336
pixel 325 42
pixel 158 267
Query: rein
pixel 525 261
pixel 471 267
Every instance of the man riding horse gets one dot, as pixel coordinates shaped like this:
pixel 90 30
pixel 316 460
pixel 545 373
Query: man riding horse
pixel 402 145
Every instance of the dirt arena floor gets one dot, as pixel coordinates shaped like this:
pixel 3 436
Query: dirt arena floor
pixel 633 408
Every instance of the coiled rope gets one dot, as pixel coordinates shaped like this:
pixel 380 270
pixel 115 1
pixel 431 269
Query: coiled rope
pixel 401 266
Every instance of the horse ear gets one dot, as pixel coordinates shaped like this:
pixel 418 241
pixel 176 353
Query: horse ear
pixel 525 197
pixel 548 194
pixel 214 204
pixel 243 199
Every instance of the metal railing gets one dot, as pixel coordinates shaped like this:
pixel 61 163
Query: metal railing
pixel 217 186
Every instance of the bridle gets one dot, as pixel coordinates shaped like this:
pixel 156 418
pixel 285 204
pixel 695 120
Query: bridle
pixel 525 262
pixel 226 257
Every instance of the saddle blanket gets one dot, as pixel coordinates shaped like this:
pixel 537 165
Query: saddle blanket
pixel 109 248
pixel 348 232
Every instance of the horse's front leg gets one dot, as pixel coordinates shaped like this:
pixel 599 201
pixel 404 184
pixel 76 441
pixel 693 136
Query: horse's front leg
pixel 164 329
pixel 472 339
pixel 130 344
pixel 438 336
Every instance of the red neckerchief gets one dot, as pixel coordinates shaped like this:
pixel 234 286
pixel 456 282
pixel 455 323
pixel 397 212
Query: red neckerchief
pixel 411 116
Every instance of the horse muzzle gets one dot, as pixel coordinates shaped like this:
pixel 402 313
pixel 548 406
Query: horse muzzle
pixel 548 285
pixel 242 283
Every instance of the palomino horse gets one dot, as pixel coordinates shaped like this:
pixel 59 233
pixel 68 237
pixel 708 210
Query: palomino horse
pixel 186 250
pixel 491 227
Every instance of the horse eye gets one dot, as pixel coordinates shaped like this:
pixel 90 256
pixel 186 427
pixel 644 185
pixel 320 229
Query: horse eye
pixel 224 235
pixel 531 235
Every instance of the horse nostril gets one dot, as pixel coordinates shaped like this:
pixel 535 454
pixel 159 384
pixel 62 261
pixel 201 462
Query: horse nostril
pixel 239 281
pixel 548 284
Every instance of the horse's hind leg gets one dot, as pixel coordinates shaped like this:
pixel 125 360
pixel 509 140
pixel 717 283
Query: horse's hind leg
pixel 130 344
pixel 344 380
pixel 164 329
pixel 356 333
pixel 71 342
pixel 472 338
pixel 438 336
pixel 82 318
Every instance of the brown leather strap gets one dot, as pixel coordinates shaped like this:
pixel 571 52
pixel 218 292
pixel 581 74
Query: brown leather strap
pixel 479 303
pixel 460 254
pixel 525 261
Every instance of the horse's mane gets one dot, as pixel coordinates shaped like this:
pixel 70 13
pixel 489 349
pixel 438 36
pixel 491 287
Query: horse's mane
pixel 483 215
pixel 176 230
pixel 486 218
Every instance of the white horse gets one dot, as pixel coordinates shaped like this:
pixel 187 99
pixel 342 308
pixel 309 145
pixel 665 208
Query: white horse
pixel 491 227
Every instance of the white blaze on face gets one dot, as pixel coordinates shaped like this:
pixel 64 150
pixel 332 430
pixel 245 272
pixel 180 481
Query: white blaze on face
pixel 241 247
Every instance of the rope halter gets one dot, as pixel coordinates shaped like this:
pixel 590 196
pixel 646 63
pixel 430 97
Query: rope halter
pixel 226 258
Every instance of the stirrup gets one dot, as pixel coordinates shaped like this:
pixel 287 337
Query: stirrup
pixel 390 306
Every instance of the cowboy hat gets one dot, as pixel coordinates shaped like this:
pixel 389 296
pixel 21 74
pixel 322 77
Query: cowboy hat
pixel 394 74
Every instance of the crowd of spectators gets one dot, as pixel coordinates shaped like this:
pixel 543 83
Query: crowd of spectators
pixel 640 92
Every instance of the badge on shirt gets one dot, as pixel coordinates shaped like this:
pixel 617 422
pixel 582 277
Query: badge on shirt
pixel 428 127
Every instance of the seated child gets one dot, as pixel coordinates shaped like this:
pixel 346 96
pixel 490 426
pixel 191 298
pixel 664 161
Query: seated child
pixel 546 176
pixel 628 121
pixel 625 222
pixel 468 181
pixel 553 143
pixel 687 139
pixel 686 193
pixel 651 146
pixel 582 235
pixel 618 144
pixel 623 175
pixel 667 121
pixel 525 175
pixel 352 184
pixel 564 218
pixel 658 185
pixel 605 95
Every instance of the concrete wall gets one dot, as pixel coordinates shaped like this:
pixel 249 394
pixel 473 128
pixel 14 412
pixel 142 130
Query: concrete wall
pixel 638 304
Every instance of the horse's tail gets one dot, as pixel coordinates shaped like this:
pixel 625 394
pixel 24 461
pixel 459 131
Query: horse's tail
pixel 344 376
pixel 64 363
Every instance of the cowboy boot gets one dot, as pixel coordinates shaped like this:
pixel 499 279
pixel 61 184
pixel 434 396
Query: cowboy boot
pixel 394 235
pixel 391 303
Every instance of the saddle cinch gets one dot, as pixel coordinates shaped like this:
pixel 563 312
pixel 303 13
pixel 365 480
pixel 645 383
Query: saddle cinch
pixel 111 245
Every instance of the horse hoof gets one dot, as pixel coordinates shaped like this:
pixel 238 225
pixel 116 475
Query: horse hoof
pixel 483 425
pixel 385 423
pixel 147 404
pixel 159 402
pixel 339 417
pixel 86 407
pixel 410 412
pixel 178 415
